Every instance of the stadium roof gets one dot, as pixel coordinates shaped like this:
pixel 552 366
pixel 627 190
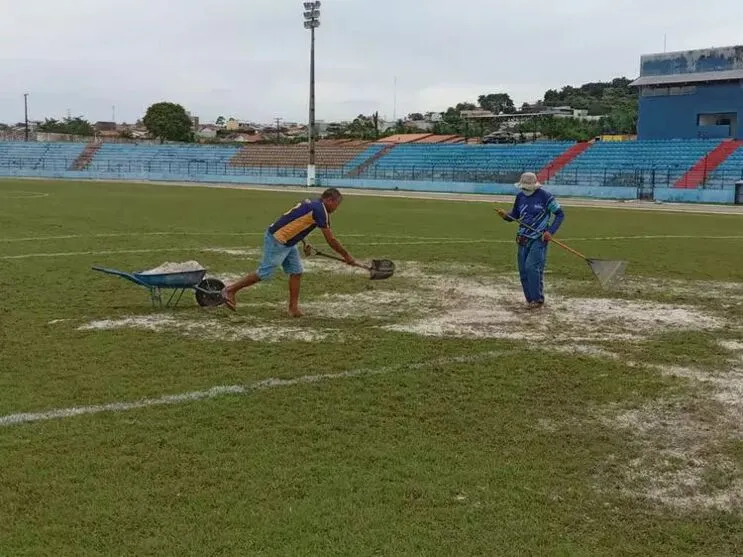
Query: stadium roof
pixel 687 78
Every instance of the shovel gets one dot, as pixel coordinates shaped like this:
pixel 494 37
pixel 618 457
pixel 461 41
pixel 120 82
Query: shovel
pixel 607 272
pixel 380 269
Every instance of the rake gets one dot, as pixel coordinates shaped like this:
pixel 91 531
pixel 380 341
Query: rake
pixel 607 271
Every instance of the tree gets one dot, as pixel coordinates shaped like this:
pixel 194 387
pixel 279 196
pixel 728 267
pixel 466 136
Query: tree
pixel 168 122
pixel 416 117
pixel 71 126
pixel 497 103
pixel 375 123
pixel 220 121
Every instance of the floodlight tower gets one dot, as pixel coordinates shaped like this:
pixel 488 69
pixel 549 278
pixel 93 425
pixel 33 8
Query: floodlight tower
pixel 25 110
pixel 312 22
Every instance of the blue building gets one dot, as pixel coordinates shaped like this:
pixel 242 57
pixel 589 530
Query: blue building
pixel 691 94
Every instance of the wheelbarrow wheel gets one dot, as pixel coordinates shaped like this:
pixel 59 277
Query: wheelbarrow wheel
pixel 209 292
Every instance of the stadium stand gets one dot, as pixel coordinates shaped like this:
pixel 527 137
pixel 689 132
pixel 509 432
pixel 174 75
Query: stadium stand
pixel 373 152
pixel 39 156
pixel 132 158
pixel 557 164
pixel 475 163
pixel 635 163
pixel 706 166
pixel 83 160
pixel 328 156
pixel 730 171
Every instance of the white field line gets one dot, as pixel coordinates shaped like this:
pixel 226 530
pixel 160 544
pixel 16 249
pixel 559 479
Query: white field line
pixel 588 203
pixel 125 235
pixel 431 241
pixel 147 234
pixel 23 194
pixel 105 252
pixel 222 390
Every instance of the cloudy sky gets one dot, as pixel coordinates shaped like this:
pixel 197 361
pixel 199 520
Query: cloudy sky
pixel 249 58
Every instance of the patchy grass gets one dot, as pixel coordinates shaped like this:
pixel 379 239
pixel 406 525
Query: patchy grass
pixel 427 414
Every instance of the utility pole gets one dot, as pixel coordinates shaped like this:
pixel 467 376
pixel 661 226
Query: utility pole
pixel 312 22
pixel 394 100
pixel 278 130
pixel 25 110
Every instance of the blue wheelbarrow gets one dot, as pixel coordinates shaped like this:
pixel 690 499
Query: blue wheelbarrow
pixel 208 290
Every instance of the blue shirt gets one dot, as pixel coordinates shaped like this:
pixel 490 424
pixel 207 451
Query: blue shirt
pixel 294 225
pixel 536 210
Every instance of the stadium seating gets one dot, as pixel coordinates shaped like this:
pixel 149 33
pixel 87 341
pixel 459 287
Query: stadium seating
pixel 480 163
pixel 729 172
pixel 175 159
pixel 634 163
pixel 39 156
pixel 332 159
pixel 629 163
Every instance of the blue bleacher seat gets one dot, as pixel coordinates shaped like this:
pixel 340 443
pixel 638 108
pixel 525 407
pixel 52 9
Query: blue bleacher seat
pixel 17 155
pixel 169 159
pixel 461 162
pixel 635 163
pixel 729 172
pixel 630 163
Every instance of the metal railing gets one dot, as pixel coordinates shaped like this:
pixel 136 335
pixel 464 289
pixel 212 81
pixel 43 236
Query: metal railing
pixel 625 176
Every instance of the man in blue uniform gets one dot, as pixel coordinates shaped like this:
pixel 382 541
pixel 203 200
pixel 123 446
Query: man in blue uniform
pixel 280 246
pixel 535 207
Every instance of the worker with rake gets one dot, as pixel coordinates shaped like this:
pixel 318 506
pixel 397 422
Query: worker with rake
pixel 280 246
pixel 533 209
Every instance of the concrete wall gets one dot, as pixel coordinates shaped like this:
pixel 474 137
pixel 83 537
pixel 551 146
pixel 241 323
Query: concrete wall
pixel 586 191
pixel 678 195
pixel 692 61
pixel 675 116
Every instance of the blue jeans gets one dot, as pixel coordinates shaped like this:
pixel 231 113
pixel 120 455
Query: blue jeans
pixel 275 254
pixel 532 259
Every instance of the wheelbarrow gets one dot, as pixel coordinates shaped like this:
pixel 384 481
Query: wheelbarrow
pixel 208 290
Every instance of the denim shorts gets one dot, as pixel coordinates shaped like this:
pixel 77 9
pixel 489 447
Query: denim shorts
pixel 274 254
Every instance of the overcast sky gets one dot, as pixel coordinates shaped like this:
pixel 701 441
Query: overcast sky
pixel 249 58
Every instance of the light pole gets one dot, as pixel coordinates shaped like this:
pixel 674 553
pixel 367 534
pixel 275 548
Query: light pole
pixel 312 22
pixel 25 111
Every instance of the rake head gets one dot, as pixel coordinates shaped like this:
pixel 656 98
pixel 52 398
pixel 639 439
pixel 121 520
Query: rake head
pixel 607 272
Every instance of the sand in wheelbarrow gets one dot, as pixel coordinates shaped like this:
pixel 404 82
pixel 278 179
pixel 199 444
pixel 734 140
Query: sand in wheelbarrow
pixel 168 267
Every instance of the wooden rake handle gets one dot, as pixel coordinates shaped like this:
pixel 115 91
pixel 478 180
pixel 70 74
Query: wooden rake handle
pixel 558 242
pixel 328 256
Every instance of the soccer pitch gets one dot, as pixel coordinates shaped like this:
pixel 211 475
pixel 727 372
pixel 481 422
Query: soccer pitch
pixel 427 414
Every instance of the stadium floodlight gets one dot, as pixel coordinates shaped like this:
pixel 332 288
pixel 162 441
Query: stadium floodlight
pixel 311 21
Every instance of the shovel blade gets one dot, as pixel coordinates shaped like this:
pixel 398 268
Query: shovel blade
pixel 381 269
pixel 607 272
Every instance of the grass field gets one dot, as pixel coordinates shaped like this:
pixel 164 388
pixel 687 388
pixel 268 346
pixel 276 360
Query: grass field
pixel 423 415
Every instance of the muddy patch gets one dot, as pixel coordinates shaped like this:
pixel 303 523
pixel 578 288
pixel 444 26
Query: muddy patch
pixel 213 329
pixel 680 462
pixel 696 289
pixel 494 308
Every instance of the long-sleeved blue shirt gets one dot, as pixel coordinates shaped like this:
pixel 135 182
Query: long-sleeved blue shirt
pixel 536 210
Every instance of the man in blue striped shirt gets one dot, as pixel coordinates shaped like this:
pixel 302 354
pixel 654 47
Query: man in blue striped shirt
pixel 534 207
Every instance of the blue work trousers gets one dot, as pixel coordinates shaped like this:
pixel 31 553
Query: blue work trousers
pixel 532 258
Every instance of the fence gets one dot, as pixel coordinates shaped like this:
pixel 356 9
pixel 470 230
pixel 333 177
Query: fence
pixel 630 177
